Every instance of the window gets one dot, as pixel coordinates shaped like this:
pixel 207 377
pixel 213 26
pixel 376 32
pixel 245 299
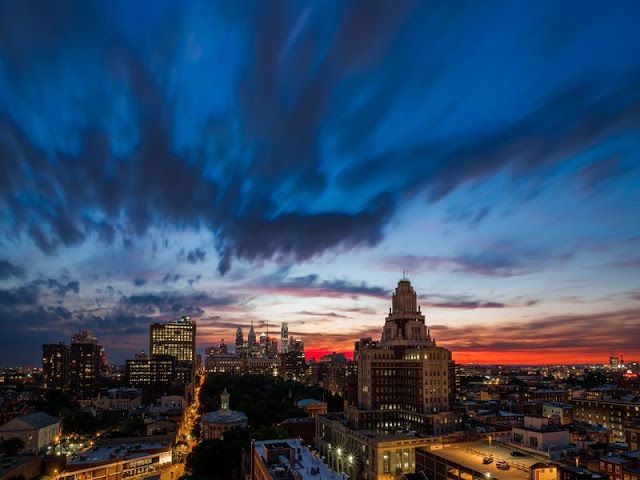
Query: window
pixel 386 468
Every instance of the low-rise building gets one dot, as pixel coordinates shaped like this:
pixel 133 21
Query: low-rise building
pixel 287 460
pixel 561 411
pixel 538 434
pixel 214 424
pixel 608 412
pixel 37 430
pixel 624 466
pixel 466 461
pixel 229 364
pixel 312 406
pixel 365 453
pixel 116 462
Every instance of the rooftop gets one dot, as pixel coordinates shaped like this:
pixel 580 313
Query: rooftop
pixel 104 453
pixel 471 454
pixel 307 466
pixel 229 416
pixel 305 402
pixel 36 420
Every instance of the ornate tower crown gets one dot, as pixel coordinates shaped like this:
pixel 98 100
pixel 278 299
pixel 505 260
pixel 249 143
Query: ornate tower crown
pixel 405 322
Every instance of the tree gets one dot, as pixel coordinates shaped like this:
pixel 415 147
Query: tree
pixel 82 423
pixel 11 446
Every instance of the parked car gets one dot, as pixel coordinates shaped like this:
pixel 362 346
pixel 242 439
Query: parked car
pixel 502 465
pixel 517 453
pixel 487 460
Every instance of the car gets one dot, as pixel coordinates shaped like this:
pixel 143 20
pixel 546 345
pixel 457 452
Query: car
pixel 487 460
pixel 502 465
pixel 517 453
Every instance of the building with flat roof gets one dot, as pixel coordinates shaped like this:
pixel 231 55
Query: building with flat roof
pixel 370 449
pixel 55 365
pixel 466 461
pixel 177 339
pixel 538 434
pixel 287 460
pixel 607 412
pixel 115 462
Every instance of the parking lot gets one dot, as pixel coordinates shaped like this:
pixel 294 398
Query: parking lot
pixel 471 455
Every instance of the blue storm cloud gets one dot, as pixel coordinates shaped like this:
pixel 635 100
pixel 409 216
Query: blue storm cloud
pixel 293 128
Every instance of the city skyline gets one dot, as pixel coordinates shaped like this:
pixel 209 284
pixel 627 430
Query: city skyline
pixel 287 163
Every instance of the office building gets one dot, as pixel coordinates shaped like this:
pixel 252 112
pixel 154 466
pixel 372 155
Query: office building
pixel 240 350
pixel 405 397
pixel 252 346
pixel 284 338
pixel 405 381
pixel 143 370
pixel 177 339
pixel 229 364
pixel 607 412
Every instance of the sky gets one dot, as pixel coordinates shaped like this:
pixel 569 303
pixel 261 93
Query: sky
pixel 286 161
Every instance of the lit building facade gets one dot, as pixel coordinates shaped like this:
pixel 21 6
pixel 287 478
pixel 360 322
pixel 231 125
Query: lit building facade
pixel 405 381
pixel 405 395
pixel 284 338
pixel 85 366
pixel 609 413
pixel 55 365
pixel 177 339
pixel 159 370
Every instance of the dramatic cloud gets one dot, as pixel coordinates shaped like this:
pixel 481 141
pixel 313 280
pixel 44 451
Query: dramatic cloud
pixel 501 260
pixel 139 282
pixel 267 159
pixel 196 255
pixel 618 330
pixel 176 303
pixel 8 270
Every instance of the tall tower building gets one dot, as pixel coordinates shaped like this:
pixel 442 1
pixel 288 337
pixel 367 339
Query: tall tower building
pixel 251 341
pixel 177 339
pixel 55 365
pixel 239 341
pixel 284 338
pixel 406 380
pixel 87 362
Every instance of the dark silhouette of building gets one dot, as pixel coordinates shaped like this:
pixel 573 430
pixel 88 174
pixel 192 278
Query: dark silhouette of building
pixel 55 365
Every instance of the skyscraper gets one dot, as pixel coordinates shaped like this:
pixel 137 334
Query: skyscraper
pixel 239 342
pixel 405 383
pixel 406 380
pixel 251 341
pixel 177 339
pixel 284 338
